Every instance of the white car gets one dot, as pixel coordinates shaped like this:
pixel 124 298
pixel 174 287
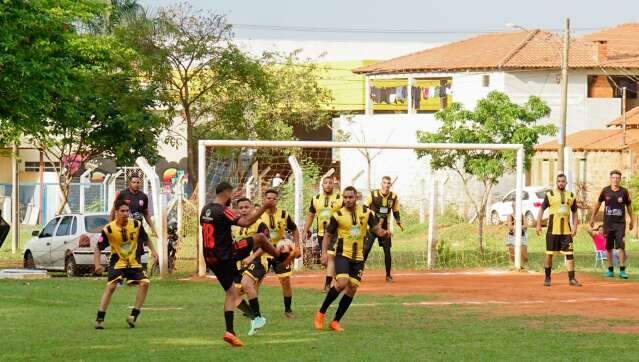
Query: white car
pixel 532 198
pixel 67 242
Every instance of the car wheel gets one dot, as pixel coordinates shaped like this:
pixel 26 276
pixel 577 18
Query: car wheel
pixel 494 218
pixel 29 263
pixel 530 219
pixel 70 267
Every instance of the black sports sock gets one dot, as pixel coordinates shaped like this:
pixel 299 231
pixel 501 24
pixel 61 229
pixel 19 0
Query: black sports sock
pixel 135 313
pixel 611 268
pixel 330 298
pixel 547 271
pixel 328 281
pixel 571 275
pixel 387 260
pixel 245 308
pixel 622 268
pixel 100 317
pixel 287 304
pixel 255 307
pixel 228 318
pixel 344 303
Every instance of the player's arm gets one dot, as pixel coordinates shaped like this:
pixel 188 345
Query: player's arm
pixel 249 259
pixel 292 228
pixel 329 232
pixel 306 232
pixel 376 227
pixel 103 243
pixel 595 210
pixel 575 219
pixel 540 214
pixel 628 203
pixel 149 220
pixel 144 236
pixel 396 215
pixel 246 221
pixel 511 224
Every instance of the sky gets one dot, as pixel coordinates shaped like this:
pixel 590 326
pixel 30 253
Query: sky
pixel 407 20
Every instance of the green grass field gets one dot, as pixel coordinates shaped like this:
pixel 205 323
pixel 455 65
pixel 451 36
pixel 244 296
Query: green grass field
pixel 52 320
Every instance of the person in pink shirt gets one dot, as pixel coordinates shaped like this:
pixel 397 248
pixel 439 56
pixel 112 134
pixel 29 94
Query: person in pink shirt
pixel 598 237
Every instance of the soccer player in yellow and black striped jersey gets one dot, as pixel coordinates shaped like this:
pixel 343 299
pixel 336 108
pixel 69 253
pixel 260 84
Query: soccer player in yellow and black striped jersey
pixel 383 202
pixel 562 207
pixel 350 224
pixel 323 205
pixel 125 237
pixel 279 222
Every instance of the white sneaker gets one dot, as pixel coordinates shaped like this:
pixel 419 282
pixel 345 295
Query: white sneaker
pixel 256 324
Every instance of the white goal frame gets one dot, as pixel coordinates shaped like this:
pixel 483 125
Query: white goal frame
pixel 519 172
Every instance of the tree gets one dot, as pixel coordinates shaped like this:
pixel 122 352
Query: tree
pixel 495 119
pixel 103 110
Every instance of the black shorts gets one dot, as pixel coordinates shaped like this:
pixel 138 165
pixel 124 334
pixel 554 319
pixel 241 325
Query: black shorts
pixel 256 270
pixel 281 270
pixel 615 237
pixel 559 244
pixel 348 268
pixel 382 242
pixel 131 275
pixel 226 273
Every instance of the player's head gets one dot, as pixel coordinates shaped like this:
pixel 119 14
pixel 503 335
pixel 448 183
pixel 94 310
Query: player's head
pixel 121 210
pixel 386 184
pixel 135 182
pixel 615 177
pixel 327 184
pixel 350 197
pixel 272 195
pixel 561 181
pixel 224 192
pixel 244 205
pixel 600 229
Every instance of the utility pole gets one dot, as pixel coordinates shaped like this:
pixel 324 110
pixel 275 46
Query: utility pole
pixel 15 194
pixel 623 113
pixel 564 96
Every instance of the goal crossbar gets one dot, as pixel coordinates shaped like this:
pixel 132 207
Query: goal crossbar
pixel 519 171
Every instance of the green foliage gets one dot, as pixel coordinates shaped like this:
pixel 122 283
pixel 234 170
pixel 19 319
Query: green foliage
pixel 311 175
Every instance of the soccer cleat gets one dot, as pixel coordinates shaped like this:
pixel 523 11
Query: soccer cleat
pixel 231 339
pixel 256 324
pixel 334 325
pixel 389 279
pixel 99 324
pixel 289 314
pixel 547 282
pixel 574 283
pixel 318 322
pixel 610 274
pixel 131 321
pixel 623 275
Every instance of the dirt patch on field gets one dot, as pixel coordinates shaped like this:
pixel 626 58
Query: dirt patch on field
pixel 505 293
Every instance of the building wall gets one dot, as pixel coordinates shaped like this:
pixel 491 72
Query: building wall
pixel 468 88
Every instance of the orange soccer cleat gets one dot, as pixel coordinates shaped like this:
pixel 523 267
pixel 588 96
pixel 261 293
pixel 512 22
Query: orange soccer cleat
pixel 319 320
pixel 231 339
pixel 334 325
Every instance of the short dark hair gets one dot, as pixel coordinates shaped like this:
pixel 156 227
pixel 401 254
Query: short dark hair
pixel 222 187
pixel 350 188
pixel 387 178
pixel 243 199
pixel 272 191
pixel 615 172
pixel 135 175
pixel 119 203
pixel 562 175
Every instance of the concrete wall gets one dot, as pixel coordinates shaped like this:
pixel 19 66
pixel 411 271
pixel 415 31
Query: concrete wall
pixel 468 88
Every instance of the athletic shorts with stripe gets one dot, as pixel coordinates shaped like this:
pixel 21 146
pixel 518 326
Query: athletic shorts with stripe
pixel 131 275
pixel 559 244
pixel 348 268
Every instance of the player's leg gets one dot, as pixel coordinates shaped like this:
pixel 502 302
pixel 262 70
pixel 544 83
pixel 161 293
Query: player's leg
pixel 104 303
pixel 524 255
pixel 355 276
pixel 330 265
pixel 511 252
pixel 368 244
pixel 260 241
pixel 551 247
pixel 341 282
pixel 139 278
pixel 567 250
pixel 257 321
pixel 287 293
pixel 225 273
pixel 386 244
pixel 610 246
pixel 621 245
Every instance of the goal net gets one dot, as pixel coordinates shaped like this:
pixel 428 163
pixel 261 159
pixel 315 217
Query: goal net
pixel 296 169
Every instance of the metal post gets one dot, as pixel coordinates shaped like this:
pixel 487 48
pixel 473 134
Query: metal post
pixel 623 113
pixel 84 180
pixel 368 106
pixel 431 222
pixel 411 109
pixel 518 208
pixel 299 198
pixel 15 194
pixel 201 176
pixel 158 211
pixel 564 96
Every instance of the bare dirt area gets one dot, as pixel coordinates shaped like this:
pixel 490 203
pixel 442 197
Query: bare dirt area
pixel 507 293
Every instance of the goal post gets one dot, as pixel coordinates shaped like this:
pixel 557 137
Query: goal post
pixel 205 145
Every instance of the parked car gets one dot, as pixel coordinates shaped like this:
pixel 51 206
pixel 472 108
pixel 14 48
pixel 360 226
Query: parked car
pixel 66 243
pixel 532 198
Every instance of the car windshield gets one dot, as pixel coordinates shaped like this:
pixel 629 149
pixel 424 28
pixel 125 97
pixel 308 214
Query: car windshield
pixel 95 223
pixel 541 194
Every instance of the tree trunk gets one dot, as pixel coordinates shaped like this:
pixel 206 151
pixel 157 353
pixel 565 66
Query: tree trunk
pixel 64 189
pixel 191 157
pixel 481 217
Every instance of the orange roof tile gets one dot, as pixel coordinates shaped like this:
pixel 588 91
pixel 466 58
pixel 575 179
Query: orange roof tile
pixel 632 119
pixel 595 140
pixel 517 50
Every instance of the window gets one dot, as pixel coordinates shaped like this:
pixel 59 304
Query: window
pixel 65 226
pixel 74 226
pixel 95 223
pixel 510 197
pixel 49 228
pixel 524 195
pixel 485 80
pixel 35 166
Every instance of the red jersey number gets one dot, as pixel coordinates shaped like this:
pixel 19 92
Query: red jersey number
pixel 208 236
